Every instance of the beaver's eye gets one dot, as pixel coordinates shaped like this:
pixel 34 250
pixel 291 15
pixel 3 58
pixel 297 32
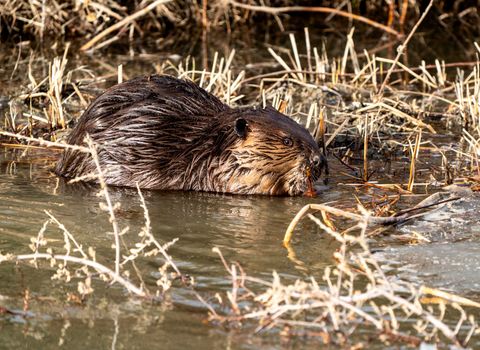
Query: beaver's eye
pixel 287 141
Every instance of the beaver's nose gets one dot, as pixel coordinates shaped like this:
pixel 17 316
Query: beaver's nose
pixel 317 160
pixel 319 165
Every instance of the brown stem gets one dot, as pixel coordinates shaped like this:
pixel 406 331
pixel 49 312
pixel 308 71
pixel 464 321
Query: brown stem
pixel 277 10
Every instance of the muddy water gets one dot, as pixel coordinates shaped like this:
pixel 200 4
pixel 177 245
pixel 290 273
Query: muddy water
pixel 245 229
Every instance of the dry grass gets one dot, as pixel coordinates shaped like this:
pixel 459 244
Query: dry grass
pixel 102 22
pixel 54 18
pixel 355 294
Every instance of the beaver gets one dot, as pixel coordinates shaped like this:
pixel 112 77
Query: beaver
pixel 164 133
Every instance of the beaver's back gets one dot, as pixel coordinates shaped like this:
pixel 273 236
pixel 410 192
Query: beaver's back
pixel 140 126
pixel 153 99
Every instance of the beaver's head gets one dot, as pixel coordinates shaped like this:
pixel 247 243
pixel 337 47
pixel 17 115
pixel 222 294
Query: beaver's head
pixel 266 152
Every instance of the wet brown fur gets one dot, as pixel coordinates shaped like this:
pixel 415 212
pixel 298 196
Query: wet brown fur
pixel 169 134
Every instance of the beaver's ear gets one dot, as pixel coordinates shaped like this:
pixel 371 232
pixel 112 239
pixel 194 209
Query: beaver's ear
pixel 241 127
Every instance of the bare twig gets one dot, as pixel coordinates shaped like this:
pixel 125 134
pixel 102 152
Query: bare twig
pixel 402 47
pixel 122 23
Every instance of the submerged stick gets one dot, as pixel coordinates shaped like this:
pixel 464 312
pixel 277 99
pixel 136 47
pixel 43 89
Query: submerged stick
pixel 452 298
pixel 399 218
pixel 289 233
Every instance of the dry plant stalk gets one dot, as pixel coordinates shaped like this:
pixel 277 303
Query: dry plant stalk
pixel 402 47
pixel 217 79
pixel 365 150
pixel 55 77
pixel 414 154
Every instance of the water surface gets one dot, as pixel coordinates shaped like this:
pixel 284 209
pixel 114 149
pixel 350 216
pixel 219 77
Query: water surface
pixel 247 229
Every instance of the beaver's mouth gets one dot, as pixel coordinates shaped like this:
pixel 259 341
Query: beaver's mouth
pixel 308 174
pixel 301 183
pixel 290 179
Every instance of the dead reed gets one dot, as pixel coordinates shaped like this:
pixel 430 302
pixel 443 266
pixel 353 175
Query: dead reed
pixel 102 22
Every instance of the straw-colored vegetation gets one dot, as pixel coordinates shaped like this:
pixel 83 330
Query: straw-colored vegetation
pixel 361 105
pixel 354 293
pixel 103 22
